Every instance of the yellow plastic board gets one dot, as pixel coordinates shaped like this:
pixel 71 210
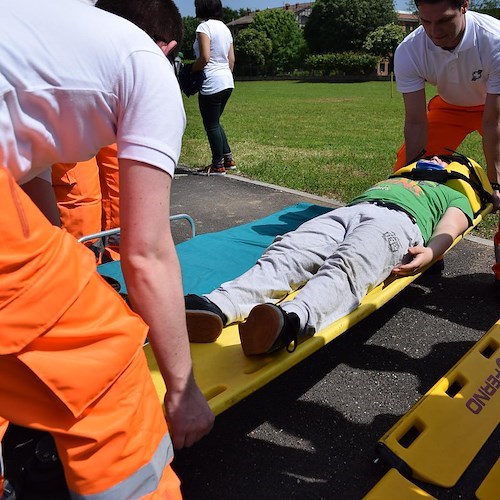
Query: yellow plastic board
pixel 490 487
pixel 226 375
pixel 394 485
pixel 439 437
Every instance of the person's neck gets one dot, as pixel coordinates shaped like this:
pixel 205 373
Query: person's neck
pixel 459 39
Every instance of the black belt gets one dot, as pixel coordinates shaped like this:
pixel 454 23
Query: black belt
pixel 392 206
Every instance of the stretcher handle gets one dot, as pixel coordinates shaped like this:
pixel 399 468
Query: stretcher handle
pixel 116 230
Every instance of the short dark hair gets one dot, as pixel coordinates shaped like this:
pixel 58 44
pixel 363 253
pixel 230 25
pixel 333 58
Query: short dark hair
pixel 160 19
pixel 456 4
pixel 208 9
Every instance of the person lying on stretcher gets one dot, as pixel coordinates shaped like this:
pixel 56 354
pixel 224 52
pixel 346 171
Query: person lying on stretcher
pixel 397 226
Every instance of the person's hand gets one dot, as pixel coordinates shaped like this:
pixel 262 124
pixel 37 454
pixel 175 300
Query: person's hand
pixel 413 262
pixel 496 201
pixel 188 415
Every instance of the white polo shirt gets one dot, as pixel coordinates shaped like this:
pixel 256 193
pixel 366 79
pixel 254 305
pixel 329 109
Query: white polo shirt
pixel 463 76
pixel 73 79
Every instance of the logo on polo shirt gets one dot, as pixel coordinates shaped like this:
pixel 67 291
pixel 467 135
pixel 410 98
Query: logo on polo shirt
pixel 476 75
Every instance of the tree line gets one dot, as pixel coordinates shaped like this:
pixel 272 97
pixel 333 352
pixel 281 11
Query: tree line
pixel 340 37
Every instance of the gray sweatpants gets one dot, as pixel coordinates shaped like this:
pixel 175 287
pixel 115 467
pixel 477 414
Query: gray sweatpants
pixel 336 258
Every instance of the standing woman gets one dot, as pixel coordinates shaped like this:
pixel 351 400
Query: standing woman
pixel 214 52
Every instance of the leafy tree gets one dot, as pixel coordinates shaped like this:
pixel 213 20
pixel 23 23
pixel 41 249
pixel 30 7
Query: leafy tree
pixel 481 5
pixel 484 4
pixel 343 25
pixel 384 40
pixel 190 25
pixel 287 41
pixel 490 7
pixel 229 14
pixel 252 47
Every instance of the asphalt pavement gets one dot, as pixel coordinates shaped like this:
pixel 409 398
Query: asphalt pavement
pixel 311 433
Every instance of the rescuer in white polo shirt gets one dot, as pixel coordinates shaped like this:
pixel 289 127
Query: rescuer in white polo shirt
pixel 458 51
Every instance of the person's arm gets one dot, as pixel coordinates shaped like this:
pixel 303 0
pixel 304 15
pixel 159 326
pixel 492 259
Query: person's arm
pixel 415 127
pixel 204 58
pixel 231 57
pixel 453 223
pixel 491 142
pixel 152 275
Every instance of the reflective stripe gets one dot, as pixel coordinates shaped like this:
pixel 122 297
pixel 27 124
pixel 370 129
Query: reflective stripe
pixel 140 483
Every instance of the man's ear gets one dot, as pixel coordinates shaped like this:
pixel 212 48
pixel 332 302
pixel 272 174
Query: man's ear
pixel 167 47
pixel 465 6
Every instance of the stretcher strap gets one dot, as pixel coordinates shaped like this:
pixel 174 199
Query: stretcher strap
pixel 439 437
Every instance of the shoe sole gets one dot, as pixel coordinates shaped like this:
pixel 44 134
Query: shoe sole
pixel 203 326
pixel 261 329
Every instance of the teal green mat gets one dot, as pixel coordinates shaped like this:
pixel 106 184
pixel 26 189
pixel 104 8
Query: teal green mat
pixel 210 259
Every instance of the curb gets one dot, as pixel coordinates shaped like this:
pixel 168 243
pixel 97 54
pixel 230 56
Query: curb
pixel 331 201
pixel 478 239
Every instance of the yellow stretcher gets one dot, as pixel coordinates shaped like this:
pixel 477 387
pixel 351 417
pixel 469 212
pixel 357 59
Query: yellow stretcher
pixel 393 483
pixel 439 437
pixel 226 376
pixel 489 489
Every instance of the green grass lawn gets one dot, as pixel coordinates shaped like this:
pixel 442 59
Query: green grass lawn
pixel 328 139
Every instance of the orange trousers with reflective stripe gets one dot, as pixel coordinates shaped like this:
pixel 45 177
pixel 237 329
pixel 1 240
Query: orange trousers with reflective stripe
pixel 448 126
pixel 87 195
pixel 72 362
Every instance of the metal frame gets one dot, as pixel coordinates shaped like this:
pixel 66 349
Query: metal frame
pixel 111 232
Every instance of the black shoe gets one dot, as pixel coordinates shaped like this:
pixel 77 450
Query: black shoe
pixel 205 320
pixel 269 328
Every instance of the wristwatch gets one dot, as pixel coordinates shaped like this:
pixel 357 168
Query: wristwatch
pixel 495 186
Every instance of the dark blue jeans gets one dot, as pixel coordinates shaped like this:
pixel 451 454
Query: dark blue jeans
pixel 211 109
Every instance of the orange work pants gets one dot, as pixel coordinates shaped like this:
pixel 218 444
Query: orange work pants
pixel 87 195
pixel 447 126
pixel 107 161
pixel 72 362
pixel 78 195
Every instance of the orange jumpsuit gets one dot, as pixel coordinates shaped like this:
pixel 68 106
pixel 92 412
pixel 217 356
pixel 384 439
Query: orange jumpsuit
pixel 448 126
pixel 72 362
pixel 87 195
